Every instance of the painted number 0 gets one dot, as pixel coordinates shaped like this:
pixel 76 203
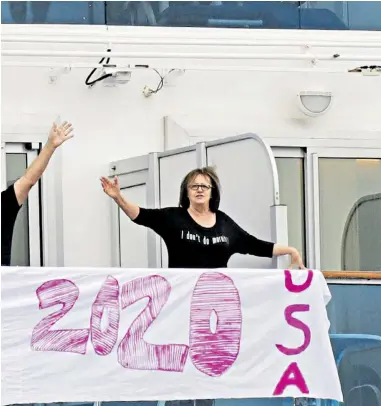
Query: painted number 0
pixel 214 353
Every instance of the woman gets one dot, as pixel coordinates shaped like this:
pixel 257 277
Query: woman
pixel 15 195
pixel 196 233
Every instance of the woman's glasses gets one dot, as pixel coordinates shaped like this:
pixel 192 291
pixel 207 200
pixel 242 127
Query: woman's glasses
pixel 201 186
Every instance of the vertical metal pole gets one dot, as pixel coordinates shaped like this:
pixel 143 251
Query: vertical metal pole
pixel 201 154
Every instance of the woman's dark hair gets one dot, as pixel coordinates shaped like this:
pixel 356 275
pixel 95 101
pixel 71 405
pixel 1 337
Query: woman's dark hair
pixel 210 172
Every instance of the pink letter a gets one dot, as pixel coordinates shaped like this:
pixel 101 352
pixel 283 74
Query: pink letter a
pixel 291 376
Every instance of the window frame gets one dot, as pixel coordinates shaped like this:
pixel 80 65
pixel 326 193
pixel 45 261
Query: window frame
pixel 313 225
pixel 299 153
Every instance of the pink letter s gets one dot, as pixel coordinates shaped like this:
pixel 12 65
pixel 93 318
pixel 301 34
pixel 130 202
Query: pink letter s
pixel 294 322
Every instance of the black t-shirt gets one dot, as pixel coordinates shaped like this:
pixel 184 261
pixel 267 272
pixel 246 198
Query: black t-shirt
pixel 191 245
pixel 9 209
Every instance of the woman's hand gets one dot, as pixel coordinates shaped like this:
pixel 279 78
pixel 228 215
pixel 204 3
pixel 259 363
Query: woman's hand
pixel 59 134
pixel 296 260
pixel 111 188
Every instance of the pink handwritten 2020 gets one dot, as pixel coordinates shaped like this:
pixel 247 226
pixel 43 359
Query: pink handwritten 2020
pixel 292 374
pixel 133 351
pixel 212 353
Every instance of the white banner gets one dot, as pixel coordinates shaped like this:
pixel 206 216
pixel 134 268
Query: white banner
pixel 75 335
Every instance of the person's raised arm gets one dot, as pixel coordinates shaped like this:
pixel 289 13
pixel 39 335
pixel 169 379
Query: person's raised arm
pixel 112 189
pixel 57 136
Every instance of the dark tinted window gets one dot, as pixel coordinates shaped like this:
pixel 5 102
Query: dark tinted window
pixel 53 12
pixel 217 14
pixel 324 15
pixel 321 15
pixel 337 15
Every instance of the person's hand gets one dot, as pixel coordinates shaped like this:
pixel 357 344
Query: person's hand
pixel 296 260
pixel 59 134
pixel 111 188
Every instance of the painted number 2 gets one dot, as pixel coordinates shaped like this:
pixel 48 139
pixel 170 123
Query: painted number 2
pixel 212 352
pixel 133 351
pixel 65 293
